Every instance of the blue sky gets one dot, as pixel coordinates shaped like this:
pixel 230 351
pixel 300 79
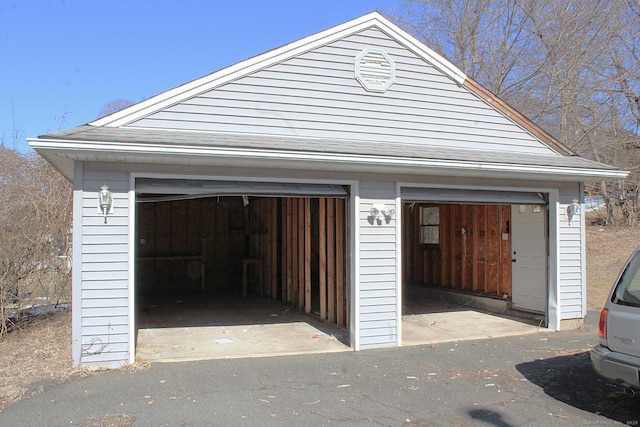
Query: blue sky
pixel 61 61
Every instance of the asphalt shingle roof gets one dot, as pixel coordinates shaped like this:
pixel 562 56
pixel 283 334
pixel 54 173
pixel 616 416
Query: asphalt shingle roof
pixel 140 136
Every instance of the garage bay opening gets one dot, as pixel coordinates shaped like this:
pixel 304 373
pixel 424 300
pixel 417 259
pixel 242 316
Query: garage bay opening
pixel 239 269
pixel 464 261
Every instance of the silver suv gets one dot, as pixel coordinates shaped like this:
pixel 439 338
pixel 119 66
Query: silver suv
pixel 617 357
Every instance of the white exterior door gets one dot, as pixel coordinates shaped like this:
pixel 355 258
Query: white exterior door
pixel 529 257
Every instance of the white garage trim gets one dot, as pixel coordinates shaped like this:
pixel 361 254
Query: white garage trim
pixel 204 188
pixel 467 196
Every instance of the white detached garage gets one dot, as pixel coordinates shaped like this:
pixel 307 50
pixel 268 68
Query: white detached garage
pixel 344 171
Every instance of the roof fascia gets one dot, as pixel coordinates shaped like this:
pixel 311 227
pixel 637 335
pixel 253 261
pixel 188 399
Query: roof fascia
pixel 517 117
pixel 476 88
pixel 225 75
pixel 372 163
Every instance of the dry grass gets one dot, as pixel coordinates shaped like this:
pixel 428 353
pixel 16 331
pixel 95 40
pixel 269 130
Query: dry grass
pixel 607 250
pixel 38 352
pixel 41 351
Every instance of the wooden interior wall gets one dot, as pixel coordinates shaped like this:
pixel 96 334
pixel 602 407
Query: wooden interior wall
pixel 302 244
pixel 474 253
pixel 261 222
pixel 165 231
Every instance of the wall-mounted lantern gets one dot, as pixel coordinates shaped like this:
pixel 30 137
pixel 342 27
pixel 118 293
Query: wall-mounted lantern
pixel 105 201
pixel 573 209
pixel 380 213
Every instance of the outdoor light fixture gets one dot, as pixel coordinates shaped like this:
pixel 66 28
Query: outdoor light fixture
pixel 381 213
pixel 105 201
pixel 573 209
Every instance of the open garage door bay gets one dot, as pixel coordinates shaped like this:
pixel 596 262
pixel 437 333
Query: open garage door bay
pixel 228 259
pixel 487 244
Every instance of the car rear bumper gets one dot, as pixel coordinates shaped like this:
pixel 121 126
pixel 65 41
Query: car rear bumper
pixel 618 367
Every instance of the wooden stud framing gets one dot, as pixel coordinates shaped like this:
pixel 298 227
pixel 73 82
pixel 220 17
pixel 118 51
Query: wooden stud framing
pixel 322 254
pixel 445 219
pixel 295 234
pixel 273 238
pixel 298 248
pixel 340 262
pixel 331 261
pixel 295 242
pixel 288 255
pixel 307 255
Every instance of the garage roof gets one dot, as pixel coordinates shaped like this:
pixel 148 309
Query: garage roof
pixel 175 138
pixel 91 143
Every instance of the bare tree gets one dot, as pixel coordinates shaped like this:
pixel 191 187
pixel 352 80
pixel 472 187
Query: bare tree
pixel 36 225
pixel 572 66
pixel 490 40
pixel 624 55
pixel 114 106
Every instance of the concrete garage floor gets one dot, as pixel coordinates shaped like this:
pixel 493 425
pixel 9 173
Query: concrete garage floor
pixel 447 322
pixel 200 327
pixel 175 328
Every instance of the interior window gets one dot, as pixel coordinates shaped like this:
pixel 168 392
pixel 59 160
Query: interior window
pixel 430 225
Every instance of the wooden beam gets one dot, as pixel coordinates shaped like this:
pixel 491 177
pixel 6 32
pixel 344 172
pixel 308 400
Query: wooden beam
pixel 294 251
pixel 307 255
pixel 322 255
pixel 289 250
pixel 493 249
pixel 453 241
pixel 300 255
pixel 331 261
pixel 283 250
pixel 468 243
pixel 485 246
pixel 340 229
pixel 273 234
pixel 301 252
pixel 475 229
pixel 445 258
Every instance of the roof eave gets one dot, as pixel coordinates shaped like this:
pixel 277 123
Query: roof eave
pixel 60 152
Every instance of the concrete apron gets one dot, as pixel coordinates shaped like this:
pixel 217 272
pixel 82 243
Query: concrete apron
pixel 261 328
pixel 461 325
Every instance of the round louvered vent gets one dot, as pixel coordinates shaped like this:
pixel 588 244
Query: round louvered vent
pixel 375 70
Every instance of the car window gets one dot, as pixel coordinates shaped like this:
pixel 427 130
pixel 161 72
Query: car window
pixel 628 288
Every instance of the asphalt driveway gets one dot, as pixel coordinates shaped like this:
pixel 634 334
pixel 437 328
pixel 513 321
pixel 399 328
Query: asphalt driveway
pixel 541 379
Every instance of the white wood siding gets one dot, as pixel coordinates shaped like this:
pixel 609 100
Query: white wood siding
pixel 378 292
pixel 571 268
pixel 104 294
pixel 316 95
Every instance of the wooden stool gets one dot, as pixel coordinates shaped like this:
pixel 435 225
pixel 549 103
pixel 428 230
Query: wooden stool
pixel 246 262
